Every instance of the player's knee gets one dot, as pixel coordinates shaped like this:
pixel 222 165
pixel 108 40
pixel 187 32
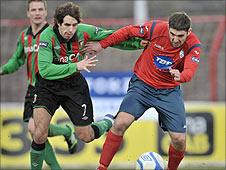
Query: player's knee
pixel 179 142
pixel 31 127
pixel 41 138
pixel 86 139
pixel 40 135
pixel 122 122
pixel 84 135
pixel 119 127
pixel 31 130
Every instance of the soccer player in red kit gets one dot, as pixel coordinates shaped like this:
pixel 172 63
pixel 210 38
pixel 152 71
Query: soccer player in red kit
pixel 170 58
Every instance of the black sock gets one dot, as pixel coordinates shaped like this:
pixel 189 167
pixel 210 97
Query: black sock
pixel 96 131
pixel 37 147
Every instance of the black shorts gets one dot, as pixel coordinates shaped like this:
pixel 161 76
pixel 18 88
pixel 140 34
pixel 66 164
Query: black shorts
pixel 71 93
pixel 28 104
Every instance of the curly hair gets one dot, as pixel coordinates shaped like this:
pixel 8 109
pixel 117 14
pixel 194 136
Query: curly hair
pixel 68 8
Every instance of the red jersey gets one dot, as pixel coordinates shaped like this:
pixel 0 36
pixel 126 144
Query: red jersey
pixel 153 64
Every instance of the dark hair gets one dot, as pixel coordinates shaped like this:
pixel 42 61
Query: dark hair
pixel 68 8
pixel 29 1
pixel 180 21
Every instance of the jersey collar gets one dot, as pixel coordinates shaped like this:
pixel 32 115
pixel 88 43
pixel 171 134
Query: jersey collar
pixel 29 31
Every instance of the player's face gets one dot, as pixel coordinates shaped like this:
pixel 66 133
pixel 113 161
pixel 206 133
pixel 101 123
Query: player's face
pixel 68 28
pixel 37 12
pixel 177 38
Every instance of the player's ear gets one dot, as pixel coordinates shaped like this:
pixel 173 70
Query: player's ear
pixel 46 13
pixel 189 31
pixel 58 24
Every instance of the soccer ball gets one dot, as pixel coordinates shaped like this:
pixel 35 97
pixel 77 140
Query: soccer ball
pixel 150 161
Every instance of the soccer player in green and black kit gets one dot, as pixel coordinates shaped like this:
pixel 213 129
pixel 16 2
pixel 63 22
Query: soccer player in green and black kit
pixel 27 51
pixel 59 81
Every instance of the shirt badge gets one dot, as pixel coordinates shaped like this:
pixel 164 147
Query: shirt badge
pixel 181 53
pixel 43 44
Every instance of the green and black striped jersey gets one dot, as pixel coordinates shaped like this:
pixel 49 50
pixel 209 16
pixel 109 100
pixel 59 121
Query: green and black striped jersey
pixel 57 57
pixel 26 52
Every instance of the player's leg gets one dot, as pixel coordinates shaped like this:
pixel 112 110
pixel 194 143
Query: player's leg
pixel 114 138
pixel 78 105
pixel 132 107
pixel 170 107
pixel 67 131
pixel 82 117
pixel 61 130
pixel 95 130
pixel 176 149
pixel 50 157
pixel 103 125
pixel 41 120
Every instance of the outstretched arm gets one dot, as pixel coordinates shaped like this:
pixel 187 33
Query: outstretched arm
pixel 124 35
pixel 133 43
pixel 16 61
pixel 93 48
pixel 92 33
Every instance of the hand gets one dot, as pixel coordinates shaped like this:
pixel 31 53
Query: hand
pixel 87 62
pixel 144 43
pixel 175 73
pixel 92 48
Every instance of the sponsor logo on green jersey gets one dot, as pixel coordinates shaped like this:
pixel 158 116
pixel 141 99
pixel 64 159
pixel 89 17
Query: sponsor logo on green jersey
pixel 70 58
pixel 33 48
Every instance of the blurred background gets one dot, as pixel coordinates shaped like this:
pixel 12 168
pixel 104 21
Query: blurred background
pixel 204 95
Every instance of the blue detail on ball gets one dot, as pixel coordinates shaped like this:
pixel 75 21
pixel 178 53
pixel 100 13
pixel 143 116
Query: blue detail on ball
pixel 150 160
pixel 146 157
pixel 140 163
pixel 158 167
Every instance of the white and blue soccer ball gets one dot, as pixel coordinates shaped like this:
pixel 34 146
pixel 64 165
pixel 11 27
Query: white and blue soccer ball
pixel 150 161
